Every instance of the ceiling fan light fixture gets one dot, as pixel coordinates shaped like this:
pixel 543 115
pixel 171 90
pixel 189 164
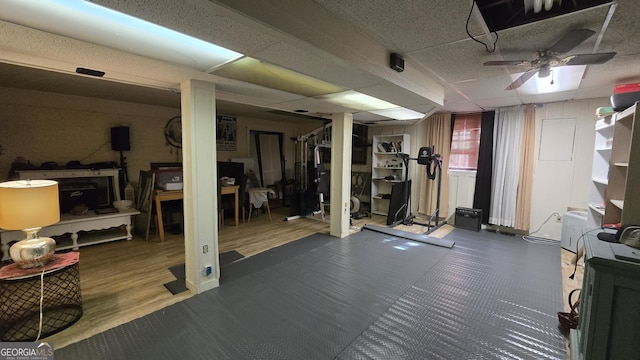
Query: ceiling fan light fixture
pixel 566 78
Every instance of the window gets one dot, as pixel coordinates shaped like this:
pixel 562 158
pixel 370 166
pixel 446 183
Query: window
pixel 465 141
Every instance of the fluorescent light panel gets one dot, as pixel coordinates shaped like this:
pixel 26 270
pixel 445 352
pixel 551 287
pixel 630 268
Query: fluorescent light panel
pixel 356 100
pixel 565 78
pixel 92 23
pixel 399 113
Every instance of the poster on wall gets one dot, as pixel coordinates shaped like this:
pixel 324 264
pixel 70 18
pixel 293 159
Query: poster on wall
pixel 226 139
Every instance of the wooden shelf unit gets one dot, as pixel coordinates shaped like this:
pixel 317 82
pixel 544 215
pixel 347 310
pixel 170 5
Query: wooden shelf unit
pixel 385 163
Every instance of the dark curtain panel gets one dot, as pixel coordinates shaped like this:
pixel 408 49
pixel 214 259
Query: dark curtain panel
pixel 453 121
pixel 482 194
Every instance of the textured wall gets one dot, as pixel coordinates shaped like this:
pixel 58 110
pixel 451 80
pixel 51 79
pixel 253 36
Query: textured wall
pixel 53 127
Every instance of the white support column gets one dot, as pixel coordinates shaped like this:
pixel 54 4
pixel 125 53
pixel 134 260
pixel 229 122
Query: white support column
pixel 200 176
pixel 341 129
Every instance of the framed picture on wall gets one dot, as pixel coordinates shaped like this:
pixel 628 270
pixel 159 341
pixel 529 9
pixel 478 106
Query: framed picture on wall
pixel 226 137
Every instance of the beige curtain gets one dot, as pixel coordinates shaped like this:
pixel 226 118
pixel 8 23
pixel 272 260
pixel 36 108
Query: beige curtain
pixel 438 134
pixel 527 147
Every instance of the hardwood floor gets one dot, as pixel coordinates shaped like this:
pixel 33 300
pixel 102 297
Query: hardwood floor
pixel 123 280
pixel 568 260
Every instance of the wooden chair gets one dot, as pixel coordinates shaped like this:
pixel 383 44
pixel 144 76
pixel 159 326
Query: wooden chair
pixel 260 197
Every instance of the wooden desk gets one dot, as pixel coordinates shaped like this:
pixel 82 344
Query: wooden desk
pixel 233 189
pixel 164 195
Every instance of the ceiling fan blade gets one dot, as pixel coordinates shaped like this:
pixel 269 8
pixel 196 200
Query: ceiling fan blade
pixel 588 59
pixel 572 39
pixel 507 62
pixel 522 79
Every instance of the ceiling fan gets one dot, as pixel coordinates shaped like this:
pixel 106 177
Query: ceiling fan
pixel 548 58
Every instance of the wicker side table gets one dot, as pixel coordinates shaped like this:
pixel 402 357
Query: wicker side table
pixel 20 300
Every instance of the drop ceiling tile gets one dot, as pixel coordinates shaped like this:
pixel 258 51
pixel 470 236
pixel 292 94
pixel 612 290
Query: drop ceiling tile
pixel 406 24
pixel 462 107
pixel 489 88
pixel 546 98
pixel 315 65
pixel 394 94
pixel 498 102
pixel 367 116
pixel 591 93
pixel 313 106
pixel 252 94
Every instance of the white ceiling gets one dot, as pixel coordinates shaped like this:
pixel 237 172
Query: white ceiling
pixel 343 42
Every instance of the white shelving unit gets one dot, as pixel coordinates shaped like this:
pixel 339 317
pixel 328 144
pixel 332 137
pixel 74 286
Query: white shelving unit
pixel 615 171
pixel 385 165
pixel 600 171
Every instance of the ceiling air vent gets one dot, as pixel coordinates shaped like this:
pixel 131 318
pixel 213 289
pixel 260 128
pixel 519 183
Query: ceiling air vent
pixel 90 72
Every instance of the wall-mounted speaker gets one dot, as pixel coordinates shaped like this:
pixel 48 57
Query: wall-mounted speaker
pixel 120 138
pixel 396 62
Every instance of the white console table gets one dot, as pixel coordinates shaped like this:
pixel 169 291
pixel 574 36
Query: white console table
pixel 75 223
pixel 74 173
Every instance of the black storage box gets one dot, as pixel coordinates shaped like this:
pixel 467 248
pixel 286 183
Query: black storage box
pixel 469 219
pixel 621 101
pixel 77 193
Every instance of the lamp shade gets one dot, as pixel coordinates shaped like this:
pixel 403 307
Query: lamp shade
pixel 26 204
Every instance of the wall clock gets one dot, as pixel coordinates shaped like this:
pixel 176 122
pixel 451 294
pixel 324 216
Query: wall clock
pixel 173 132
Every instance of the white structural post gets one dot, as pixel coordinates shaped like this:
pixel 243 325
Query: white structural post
pixel 341 130
pixel 200 185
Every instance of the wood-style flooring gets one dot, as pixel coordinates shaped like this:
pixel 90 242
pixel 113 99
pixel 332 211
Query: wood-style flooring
pixel 123 280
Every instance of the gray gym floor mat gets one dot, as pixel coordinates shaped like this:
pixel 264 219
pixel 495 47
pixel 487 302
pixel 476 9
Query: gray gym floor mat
pixel 491 297
pixel 369 295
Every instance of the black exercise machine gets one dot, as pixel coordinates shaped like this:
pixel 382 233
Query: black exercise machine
pixel 433 165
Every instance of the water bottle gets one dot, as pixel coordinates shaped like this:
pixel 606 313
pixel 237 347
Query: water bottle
pixel 128 192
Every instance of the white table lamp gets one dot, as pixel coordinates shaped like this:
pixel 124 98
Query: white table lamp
pixel 29 205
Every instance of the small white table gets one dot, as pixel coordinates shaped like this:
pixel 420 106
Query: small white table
pixel 75 223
